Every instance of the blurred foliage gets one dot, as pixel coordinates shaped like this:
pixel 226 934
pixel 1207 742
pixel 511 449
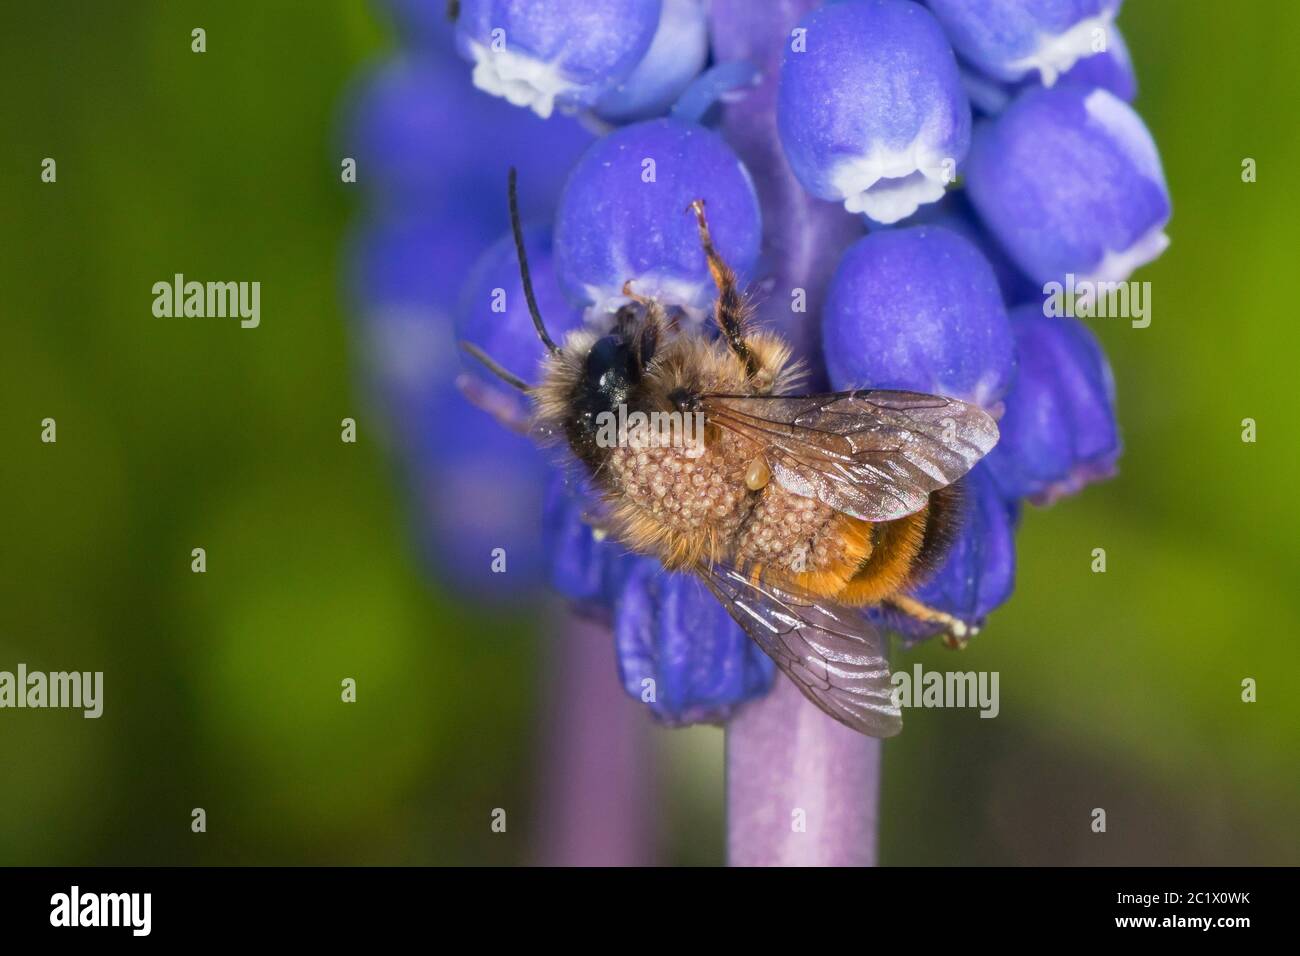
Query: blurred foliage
pixel 1119 690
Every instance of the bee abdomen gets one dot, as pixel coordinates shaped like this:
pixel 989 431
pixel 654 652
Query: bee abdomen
pixel 907 551
pixel 943 523
pixel 802 540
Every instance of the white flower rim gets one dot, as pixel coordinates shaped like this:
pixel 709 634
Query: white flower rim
pixel 520 80
pixel 1118 266
pixel 1056 53
pixel 890 184
pixel 693 298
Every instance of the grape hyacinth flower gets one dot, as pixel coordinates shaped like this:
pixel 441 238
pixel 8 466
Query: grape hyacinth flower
pixel 1008 39
pixel 1110 68
pixel 1059 432
pixel 919 308
pixel 1070 182
pixel 677 54
pixel 673 634
pixel 871 109
pixel 541 55
pixel 622 220
pixel 855 107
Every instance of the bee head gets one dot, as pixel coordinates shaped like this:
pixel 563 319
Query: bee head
pixel 613 368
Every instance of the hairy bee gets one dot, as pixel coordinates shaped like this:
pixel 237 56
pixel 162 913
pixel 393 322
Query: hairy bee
pixel 793 509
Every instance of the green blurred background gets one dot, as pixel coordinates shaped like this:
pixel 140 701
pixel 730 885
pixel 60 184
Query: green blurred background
pixel 1120 690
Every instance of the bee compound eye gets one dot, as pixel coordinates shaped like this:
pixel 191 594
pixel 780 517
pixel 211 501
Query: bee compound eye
pixel 683 400
pixel 611 364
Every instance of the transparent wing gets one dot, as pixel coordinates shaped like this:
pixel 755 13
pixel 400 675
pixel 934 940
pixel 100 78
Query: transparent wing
pixel 874 455
pixel 833 655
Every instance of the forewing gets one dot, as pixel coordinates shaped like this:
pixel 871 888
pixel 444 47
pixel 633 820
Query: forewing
pixel 874 455
pixel 833 655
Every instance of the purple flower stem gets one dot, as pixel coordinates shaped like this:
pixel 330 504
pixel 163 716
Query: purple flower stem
pixel 596 780
pixel 802 789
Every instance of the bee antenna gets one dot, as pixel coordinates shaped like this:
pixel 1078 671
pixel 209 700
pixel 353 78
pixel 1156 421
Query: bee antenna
pixel 524 274
pixel 492 366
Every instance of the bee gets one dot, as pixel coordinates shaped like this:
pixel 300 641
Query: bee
pixel 796 510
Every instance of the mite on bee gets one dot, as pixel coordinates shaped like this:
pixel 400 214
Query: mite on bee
pixel 795 510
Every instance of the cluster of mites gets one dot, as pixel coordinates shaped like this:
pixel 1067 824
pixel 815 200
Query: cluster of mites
pixel 730 491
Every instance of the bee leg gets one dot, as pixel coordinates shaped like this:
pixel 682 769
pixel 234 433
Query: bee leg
pixel 493 401
pixel 729 312
pixel 634 295
pixel 957 633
